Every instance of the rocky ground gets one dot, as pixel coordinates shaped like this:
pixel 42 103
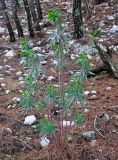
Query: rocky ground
pixel 19 138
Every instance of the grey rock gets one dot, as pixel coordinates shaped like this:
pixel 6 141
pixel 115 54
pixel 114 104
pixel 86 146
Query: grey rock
pixel 10 54
pixel 114 29
pixel 88 136
pixel 2 30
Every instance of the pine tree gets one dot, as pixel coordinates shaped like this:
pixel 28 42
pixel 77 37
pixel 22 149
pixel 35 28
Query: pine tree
pixel 77 18
pixel 7 21
pixel 29 19
pixel 16 18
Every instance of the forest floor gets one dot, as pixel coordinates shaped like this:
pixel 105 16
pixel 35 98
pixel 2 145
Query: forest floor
pixel 21 142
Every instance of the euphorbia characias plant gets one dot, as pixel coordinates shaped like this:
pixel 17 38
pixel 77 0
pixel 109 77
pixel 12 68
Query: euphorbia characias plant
pixel 65 97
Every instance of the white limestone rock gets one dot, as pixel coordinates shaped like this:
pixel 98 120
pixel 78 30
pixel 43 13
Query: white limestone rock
pixel 18 73
pixel 50 78
pixel 2 30
pixel 94 92
pixel 44 142
pixel 10 54
pixel 68 123
pixel 110 18
pixel 114 29
pixel 86 93
pixel 29 120
pixel 36 49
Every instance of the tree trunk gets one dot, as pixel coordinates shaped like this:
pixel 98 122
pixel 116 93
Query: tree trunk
pixel 77 18
pixel 106 57
pixel 34 16
pixel 7 21
pixel 39 10
pixel 29 18
pixel 16 18
pixel 17 3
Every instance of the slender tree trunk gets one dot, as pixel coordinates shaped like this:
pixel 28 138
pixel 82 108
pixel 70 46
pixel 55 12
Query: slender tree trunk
pixel 34 15
pixel 16 18
pixel 7 21
pixel 39 10
pixel 29 18
pixel 77 18
pixel 17 3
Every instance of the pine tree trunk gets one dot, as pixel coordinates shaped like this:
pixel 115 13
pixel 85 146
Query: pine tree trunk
pixel 7 21
pixel 34 16
pixel 17 3
pixel 29 18
pixel 39 10
pixel 16 18
pixel 77 18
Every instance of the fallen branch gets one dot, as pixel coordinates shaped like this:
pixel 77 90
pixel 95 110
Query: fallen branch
pixel 96 129
pixel 106 57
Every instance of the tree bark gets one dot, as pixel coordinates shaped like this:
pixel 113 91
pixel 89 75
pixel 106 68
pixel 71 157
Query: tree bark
pixel 39 10
pixel 7 21
pixel 17 3
pixel 29 18
pixel 34 15
pixel 16 18
pixel 77 18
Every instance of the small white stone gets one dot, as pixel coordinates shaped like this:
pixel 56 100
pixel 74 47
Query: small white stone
pixel 18 99
pixel 86 93
pixel 10 54
pixel 5 60
pixel 2 30
pixel 8 130
pixel 22 62
pixel 7 66
pixel 34 126
pixel 44 141
pixel 18 73
pixel 36 49
pixel 110 18
pixel 3 84
pixel 72 57
pixel 7 91
pixel 94 92
pixel 86 110
pixel 46 115
pixel 1 78
pixel 113 29
pixel 54 62
pixel 13 106
pixel 29 120
pixel 21 82
pixel 50 78
pixel 69 10
pixel 93 143
pixel 43 62
pixel 1 67
pixel 20 78
pixel 68 123
pixel 14 98
pixel 9 107
pixel 108 88
pixel 89 56
pixel 39 42
pixel 93 97
pixel 101 24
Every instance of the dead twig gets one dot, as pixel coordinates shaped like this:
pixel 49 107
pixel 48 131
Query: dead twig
pixel 96 129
